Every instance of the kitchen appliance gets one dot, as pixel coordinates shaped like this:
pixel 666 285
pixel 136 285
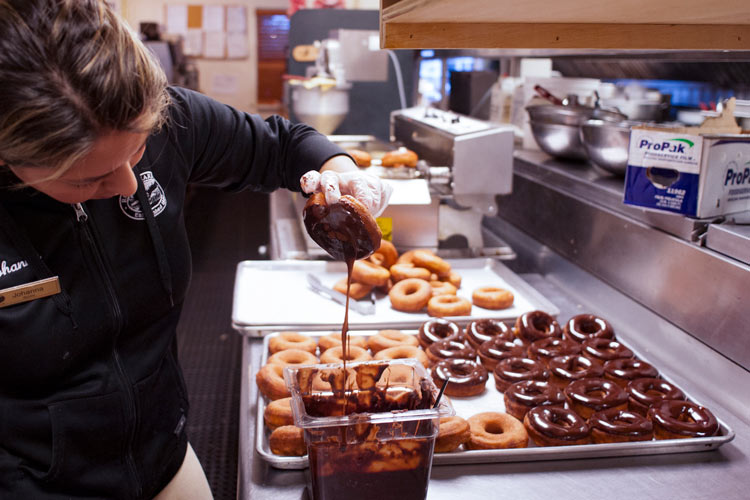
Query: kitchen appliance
pixel 466 162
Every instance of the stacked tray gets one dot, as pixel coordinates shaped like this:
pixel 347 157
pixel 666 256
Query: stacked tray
pixel 492 400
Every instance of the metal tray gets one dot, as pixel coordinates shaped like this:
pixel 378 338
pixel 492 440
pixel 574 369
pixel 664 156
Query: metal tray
pixel 272 296
pixel 492 400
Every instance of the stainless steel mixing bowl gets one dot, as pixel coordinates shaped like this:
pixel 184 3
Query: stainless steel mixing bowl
pixel 559 140
pixel 606 144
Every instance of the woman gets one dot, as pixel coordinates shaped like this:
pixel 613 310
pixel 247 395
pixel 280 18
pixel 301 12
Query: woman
pixel 96 153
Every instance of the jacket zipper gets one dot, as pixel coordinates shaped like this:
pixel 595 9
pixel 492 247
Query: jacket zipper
pixel 82 219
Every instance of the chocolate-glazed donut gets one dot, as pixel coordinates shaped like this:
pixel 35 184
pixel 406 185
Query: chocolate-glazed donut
pixel 536 325
pixel 551 347
pixel 465 377
pixel 346 230
pixel 645 392
pixel 618 426
pixel 449 349
pixel 482 330
pixel 512 370
pixel 682 419
pixel 621 371
pixel 566 369
pixel 522 396
pixel 556 426
pixel 437 329
pixel 603 350
pixel 586 326
pixel 497 349
pixel 589 395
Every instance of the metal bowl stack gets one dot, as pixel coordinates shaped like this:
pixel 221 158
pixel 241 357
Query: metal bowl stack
pixel 557 128
pixel 607 143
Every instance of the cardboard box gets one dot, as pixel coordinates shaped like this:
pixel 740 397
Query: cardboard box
pixel 686 171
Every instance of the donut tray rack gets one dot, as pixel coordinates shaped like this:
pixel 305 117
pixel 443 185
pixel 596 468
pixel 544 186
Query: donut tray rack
pixel 272 296
pixel 492 400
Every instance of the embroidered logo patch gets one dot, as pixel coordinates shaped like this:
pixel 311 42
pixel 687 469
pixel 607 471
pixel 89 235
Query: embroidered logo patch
pixel 6 269
pixel 131 206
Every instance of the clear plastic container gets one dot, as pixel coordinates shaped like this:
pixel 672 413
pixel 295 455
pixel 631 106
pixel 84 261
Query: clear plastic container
pixel 373 440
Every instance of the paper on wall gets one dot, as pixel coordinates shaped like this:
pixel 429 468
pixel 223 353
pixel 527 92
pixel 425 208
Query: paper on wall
pixel 236 20
pixel 224 84
pixel 213 18
pixel 237 46
pixel 214 44
pixel 177 19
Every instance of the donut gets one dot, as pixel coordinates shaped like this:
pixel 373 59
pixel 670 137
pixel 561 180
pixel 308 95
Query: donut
pixel 492 297
pixel 357 291
pixel 385 339
pixel 410 295
pixel 442 288
pixel 336 355
pixel 346 230
pixel 452 433
pixel 407 270
pixel 386 255
pixel 589 395
pixel 270 381
pixel 645 392
pixel 432 262
pixel 495 350
pixel 453 278
pixel 291 340
pixel 480 331
pixel 361 158
pixel 288 441
pixel 571 367
pixel 623 370
pixel 465 377
pixel 404 352
pixel 448 305
pixel 278 413
pixel 602 350
pixel 437 329
pixel 293 357
pixel 619 426
pixel 674 419
pixel 402 157
pixel 511 370
pixel 536 325
pixel 368 273
pixel 546 349
pixel 450 349
pixel 334 339
pixel 408 256
pixel 556 426
pixel 587 326
pixel 493 431
pixel 522 396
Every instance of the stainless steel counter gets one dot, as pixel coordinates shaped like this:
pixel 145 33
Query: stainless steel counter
pixel 576 279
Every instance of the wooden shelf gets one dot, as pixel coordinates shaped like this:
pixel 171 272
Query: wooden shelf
pixel 566 24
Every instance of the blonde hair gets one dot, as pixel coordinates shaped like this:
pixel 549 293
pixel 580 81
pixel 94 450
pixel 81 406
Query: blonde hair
pixel 69 71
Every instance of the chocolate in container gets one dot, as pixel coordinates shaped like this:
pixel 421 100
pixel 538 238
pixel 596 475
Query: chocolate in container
pixel 370 432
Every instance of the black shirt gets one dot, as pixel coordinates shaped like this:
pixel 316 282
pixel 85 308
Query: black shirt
pixel 92 400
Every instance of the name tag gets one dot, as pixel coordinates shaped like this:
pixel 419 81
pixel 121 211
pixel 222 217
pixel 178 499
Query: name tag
pixel 29 291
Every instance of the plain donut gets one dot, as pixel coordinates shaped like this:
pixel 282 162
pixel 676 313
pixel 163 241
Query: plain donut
pixel 410 295
pixel 494 430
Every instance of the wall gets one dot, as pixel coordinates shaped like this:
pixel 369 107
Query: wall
pixel 245 70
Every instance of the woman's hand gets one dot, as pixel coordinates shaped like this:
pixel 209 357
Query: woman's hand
pixel 373 192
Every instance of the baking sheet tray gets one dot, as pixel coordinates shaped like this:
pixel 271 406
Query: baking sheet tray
pixel 492 400
pixel 274 296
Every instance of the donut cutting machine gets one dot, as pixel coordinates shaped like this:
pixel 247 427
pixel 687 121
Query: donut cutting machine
pixel 466 163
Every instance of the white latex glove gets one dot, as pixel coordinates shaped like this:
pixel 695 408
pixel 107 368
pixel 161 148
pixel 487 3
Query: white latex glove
pixel 373 192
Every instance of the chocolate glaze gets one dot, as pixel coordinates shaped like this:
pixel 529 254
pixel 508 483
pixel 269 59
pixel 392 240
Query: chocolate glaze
pixel 436 329
pixel 494 350
pixel 622 423
pixel 645 392
pixel 536 325
pixel 557 422
pixel 461 372
pixel 585 326
pixel 482 330
pixel 574 367
pixel 624 370
pixel 534 393
pixel 596 393
pixel 683 418
pixel 603 350
pixel 550 347
pixel 514 370
pixel 451 349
